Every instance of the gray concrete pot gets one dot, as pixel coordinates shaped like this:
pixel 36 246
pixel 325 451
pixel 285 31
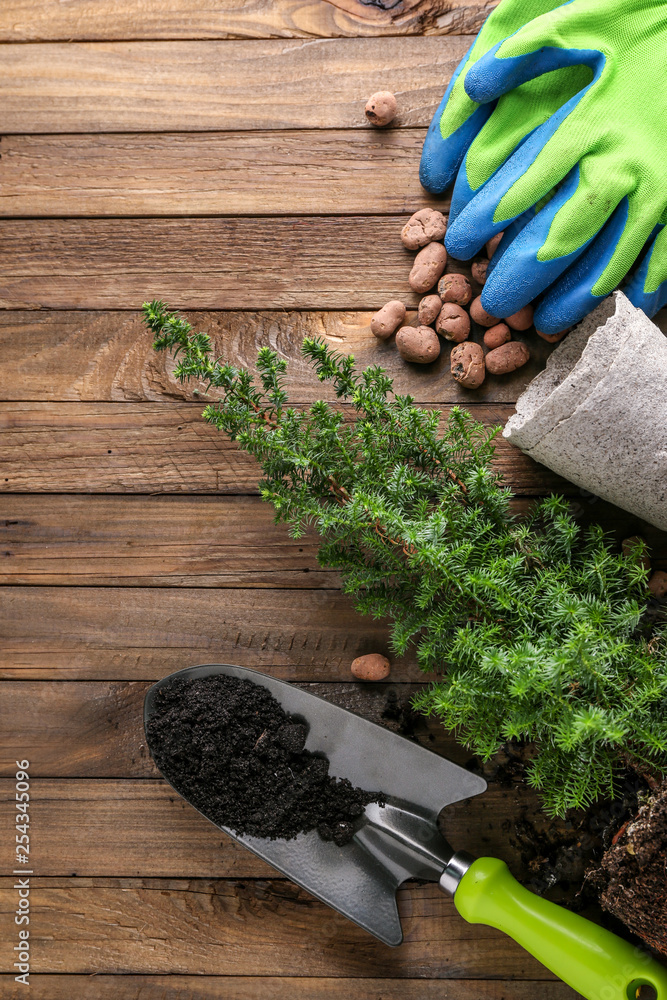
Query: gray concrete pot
pixel 597 414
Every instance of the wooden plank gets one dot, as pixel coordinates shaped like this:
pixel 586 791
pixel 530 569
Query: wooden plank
pixel 317 263
pixel 212 85
pixel 309 172
pixel 144 829
pixel 115 20
pixel 153 542
pixel 125 633
pixel 107 356
pixel 173 541
pixel 99 987
pixel 167 448
pixel 226 927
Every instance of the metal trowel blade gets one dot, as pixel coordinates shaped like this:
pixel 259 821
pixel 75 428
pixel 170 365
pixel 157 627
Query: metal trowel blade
pixel 394 842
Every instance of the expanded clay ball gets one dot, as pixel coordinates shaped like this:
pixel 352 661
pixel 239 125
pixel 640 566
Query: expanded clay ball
pixel 418 344
pixel 427 268
pixel 453 323
pixel 478 270
pixel 521 320
pixel 479 314
pixel 372 667
pixel 496 336
pixel 387 319
pixel 381 108
pixel 467 364
pixel 658 584
pixel 429 307
pixel 553 338
pixel 492 244
pixel 455 288
pixel 425 226
pixel 507 358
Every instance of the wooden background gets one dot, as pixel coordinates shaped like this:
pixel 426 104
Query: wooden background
pixel 218 158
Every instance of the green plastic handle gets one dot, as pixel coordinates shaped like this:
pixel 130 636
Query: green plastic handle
pixel 590 959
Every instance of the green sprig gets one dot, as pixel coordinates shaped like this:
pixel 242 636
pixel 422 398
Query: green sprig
pixel 530 625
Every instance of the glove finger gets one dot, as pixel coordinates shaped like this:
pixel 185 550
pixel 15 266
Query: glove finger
pixel 538 47
pixel 513 230
pixel 442 157
pixel 515 117
pixel 542 161
pixel 647 288
pixel 458 119
pixel 571 297
pixel 520 275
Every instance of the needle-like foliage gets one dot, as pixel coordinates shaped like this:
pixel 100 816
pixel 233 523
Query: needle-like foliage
pixel 530 624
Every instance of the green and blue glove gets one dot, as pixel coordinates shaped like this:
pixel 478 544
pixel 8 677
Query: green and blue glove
pixel 584 190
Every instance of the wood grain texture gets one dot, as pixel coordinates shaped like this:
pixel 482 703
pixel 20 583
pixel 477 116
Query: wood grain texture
pixel 355 262
pixel 153 542
pixel 212 85
pixel 100 987
pixel 190 541
pixel 168 448
pixel 107 356
pixel 112 20
pixel 142 634
pixel 307 172
pixel 228 927
pixel 145 829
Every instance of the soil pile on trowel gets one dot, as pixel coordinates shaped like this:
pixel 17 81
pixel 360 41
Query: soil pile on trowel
pixel 227 746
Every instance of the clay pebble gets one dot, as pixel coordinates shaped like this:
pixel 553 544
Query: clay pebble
pixel 429 307
pixel 552 338
pixel 425 226
pixel 507 358
pixel 497 335
pixel 381 108
pixel 455 288
pixel 467 364
pixel 453 323
pixel 521 320
pixel 492 244
pixel 658 584
pixel 371 667
pixel 429 264
pixel 418 344
pixel 479 314
pixel 479 269
pixel 388 319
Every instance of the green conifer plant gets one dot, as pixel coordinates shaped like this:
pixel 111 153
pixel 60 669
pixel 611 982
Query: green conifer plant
pixel 530 624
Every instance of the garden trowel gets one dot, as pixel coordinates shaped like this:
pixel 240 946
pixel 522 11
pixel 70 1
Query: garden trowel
pixel 400 840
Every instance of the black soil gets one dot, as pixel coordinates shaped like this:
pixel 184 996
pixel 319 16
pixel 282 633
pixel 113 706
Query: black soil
pixel 631 878
pixel 228 747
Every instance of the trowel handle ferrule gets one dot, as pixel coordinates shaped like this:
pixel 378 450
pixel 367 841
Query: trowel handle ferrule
pixel 457 866
pixel 590 959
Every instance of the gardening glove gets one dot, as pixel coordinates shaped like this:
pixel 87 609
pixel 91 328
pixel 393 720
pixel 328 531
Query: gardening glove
pixel 460 122
pixel 603 151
